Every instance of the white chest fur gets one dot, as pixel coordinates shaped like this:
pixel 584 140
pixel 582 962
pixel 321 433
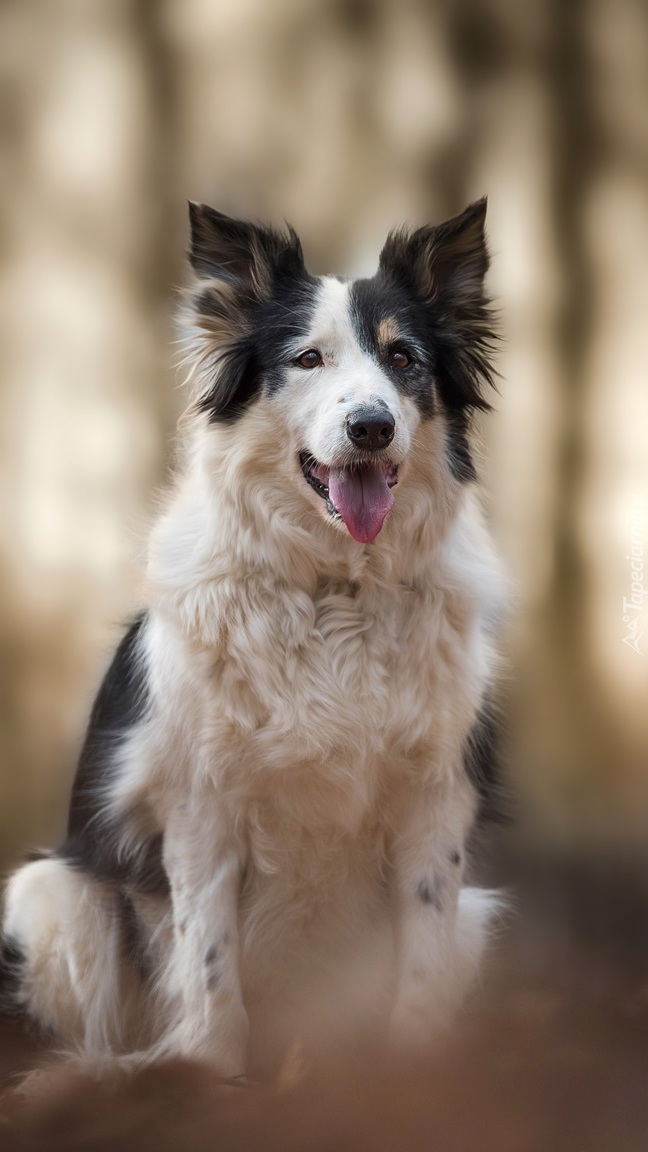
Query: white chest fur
pixel 322 698
pixel 300 672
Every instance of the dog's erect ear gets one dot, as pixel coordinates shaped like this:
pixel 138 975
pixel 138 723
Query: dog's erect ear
pixel 447 263
pixel 244 256
pixel 237 266
pixel 445 266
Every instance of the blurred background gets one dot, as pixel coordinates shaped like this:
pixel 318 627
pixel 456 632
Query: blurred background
pixel 346 117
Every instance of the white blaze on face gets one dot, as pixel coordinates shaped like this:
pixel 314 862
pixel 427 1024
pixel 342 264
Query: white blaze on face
pixel 319 401
pixel 348 379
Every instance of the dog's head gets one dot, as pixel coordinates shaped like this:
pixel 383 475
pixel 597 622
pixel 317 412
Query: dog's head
pixel 352 369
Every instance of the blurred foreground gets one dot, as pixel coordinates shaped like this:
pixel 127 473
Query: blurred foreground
pixel 552 1054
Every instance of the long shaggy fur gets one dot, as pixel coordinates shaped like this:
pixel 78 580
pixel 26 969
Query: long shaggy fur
pixel 267 833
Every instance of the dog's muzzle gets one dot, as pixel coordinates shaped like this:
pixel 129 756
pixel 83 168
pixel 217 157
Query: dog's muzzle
pixel 358 494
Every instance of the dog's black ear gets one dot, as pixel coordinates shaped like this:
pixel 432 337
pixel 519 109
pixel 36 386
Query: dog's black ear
pixel 447 263
pixel 237 264
pixel 445 267
pixel 242 255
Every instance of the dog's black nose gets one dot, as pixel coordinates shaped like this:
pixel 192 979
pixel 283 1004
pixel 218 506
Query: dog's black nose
pixel 370 428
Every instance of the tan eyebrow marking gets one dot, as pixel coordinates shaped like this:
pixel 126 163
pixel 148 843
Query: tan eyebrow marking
pixel 387 331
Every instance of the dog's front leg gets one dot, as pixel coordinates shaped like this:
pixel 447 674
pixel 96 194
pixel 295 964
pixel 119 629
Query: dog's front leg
pixel 433 967
pixel 204 865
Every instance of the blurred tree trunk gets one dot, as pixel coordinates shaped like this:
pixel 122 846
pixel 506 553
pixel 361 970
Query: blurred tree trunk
pixel 574 730
pixel 480 43
pixel 162 270
pixel 89 261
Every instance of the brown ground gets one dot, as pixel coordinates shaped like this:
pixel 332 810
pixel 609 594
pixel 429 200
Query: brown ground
pixel 553 1057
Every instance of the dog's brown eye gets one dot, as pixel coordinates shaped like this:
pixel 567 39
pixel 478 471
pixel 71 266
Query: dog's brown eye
pixel 399 358
pixel 309 359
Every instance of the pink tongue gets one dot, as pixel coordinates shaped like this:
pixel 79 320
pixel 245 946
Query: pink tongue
pixel 363 499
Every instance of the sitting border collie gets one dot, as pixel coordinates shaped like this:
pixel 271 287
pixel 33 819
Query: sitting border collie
pixel 267 830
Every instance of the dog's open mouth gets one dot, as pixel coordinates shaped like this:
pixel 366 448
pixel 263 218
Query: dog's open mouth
pixel 359 494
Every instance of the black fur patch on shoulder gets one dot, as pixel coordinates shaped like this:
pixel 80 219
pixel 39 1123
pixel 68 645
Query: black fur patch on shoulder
pixel 92 840
pixel 12 965
pixel 483 767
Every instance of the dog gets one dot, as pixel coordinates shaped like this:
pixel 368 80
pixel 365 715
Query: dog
pixel 267 831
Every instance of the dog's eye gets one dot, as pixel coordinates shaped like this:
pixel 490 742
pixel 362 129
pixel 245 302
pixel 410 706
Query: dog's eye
pixel 400 358
pixel 309 359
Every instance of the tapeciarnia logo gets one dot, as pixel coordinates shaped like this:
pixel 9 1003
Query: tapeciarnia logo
pixel 634 605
